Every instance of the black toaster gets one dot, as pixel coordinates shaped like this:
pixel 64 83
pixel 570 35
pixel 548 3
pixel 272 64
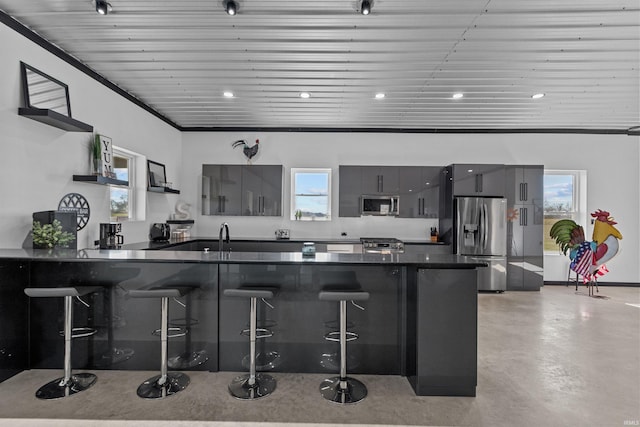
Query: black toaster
pixel 160 232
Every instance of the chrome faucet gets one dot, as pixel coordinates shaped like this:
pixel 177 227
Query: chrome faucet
pixel 223 227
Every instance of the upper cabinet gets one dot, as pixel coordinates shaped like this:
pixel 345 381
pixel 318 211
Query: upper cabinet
pixel 380 180
pixel 524 184
pixel 419 191
pixel 478 180
pixel 248 190
pixel 262 190
pixel 416 186
pixel 350 190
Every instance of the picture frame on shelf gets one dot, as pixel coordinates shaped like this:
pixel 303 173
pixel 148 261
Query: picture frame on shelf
pixel 157 176
pixel 102 156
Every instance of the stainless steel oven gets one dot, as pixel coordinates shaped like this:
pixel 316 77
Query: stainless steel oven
pixel 382 245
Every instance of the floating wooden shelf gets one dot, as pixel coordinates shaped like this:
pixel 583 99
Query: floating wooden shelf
pixel 56 119
pixel 163 190
pixel 180 221
pixel 99 179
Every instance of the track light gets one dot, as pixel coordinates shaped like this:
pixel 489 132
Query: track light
pixel 365 7
pixel 231 7
pixel 103 7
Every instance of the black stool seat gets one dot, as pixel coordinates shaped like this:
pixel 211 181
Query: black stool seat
pixel 70 383
pixel 253 291
pixel 342 287
pixel 167 383
pixel 75 291
pixel 346 295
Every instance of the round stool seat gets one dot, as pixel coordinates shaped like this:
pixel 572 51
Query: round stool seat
pixel 346 295
pixel 253 291
pixel 74 291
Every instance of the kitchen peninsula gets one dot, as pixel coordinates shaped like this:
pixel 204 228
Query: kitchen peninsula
pixel 420 321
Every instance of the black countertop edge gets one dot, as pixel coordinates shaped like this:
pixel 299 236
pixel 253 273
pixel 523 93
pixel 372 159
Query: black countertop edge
pixel 167 244
pixel 440 261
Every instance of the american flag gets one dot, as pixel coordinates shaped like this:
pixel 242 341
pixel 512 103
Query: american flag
pixel 584 261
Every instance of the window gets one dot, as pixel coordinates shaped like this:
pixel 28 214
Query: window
pixel 564 197
pixel 311 194
pixel 124 204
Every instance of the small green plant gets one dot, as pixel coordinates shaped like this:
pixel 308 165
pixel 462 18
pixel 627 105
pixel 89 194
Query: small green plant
pixel 51 235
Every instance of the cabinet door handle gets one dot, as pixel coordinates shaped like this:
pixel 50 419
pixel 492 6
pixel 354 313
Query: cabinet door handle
pixel 224 203
pixel 526 191
pixel 380 184
pixel 522 216
pixel 526 217
pixel 521 195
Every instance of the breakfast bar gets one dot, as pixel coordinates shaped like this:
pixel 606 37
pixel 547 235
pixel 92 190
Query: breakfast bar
pixel 419 322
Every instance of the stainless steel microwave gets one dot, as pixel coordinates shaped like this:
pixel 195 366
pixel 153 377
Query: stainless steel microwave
pixel 381 205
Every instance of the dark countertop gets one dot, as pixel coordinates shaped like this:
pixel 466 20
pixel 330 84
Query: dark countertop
pixel 167 244
pixel 414 260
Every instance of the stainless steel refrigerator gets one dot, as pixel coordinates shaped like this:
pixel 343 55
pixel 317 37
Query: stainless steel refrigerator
pixel 480 232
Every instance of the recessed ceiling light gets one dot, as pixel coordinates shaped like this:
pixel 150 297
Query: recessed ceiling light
pixel 231 7
pixel 457 95
pixel 103 7
pixel 228 94
pixel 537 95
pixel 469 170
pixel 365 7
pixel 380 95
pixel 305 95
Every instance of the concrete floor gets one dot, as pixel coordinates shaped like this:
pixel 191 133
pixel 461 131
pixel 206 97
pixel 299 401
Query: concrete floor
pixel 553 358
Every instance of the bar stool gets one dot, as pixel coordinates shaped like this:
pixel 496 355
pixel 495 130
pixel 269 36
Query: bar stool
pixel 343 389
pixel 167 383
pixel 70 383
pixel 253 386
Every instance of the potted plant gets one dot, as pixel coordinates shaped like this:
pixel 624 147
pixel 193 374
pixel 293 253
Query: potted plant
pixel 49 236
pixel 96 155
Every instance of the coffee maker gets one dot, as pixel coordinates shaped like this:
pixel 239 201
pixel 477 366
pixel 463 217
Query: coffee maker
pixel 110 237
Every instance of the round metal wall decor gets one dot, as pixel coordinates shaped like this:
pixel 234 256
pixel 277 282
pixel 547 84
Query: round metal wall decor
pixel 74 202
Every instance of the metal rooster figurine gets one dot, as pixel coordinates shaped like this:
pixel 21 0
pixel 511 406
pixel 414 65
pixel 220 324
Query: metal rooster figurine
pixel 588 258
pixel 249 152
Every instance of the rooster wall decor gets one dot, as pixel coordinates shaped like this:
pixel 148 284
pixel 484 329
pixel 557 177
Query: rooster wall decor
pixel 249 152
pixel 588 258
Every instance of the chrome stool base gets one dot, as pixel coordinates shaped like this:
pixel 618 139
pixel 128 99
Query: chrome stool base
pixel 239 388
pixel 77 383
pixel 150 389
pixel 354 391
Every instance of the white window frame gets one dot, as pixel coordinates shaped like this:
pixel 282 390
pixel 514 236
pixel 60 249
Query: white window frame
pixel 136 187
pixel 579 212
pixel 294 171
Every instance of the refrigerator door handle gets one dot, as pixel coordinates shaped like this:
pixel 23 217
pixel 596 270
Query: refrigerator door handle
pixel 483 226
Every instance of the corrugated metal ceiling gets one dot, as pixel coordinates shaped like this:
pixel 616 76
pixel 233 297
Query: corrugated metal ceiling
pixel 179 57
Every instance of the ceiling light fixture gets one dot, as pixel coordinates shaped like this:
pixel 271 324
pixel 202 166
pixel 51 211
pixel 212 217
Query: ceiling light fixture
pixel 380 95
pixel 103 7
pixel 537 96
pixel 457 95
pixel 365 7
pixel 305 95
pixel 231 7
pixel 228 94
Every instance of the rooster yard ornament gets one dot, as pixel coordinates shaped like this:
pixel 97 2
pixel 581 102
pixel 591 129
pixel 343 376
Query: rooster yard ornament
pixel 588 258
pixel 249 152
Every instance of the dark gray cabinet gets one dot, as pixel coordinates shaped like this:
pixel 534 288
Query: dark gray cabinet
pixel 248 190
pixel 419 191
pixel 417 186
pixel 525 261
pixel 221 189
pixel 349 191
pixel 262 190
pixel 379 179
pixel 478 180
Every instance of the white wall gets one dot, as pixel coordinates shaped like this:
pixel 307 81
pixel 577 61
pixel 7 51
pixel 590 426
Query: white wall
pixel 611 161
pixel 37 161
